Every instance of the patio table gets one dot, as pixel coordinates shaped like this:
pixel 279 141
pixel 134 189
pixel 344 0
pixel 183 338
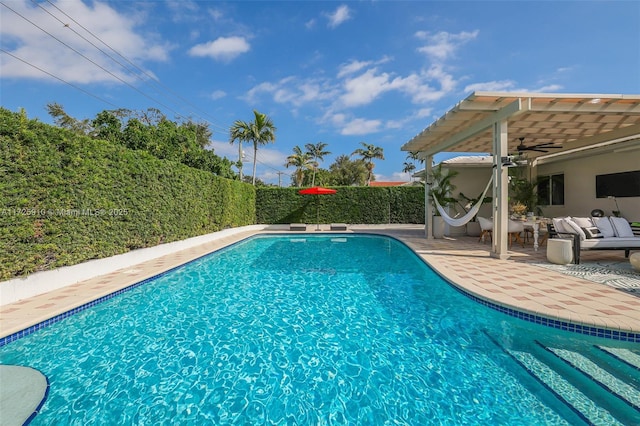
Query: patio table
pixel 535 225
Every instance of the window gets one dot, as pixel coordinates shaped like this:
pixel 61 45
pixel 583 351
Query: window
pixel 551 190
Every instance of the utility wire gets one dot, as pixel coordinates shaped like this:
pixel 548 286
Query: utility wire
pixel 59 79
pixel 250 159
pixel 140 70
pixel 90 60
pixel 151 78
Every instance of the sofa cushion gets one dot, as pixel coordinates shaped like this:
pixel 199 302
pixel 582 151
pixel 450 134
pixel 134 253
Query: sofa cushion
pixel 592 232
pixel 621 227
pixel 558 224
pixel 571 224
pixel 610 243
pixel 583 222
pixel 604 225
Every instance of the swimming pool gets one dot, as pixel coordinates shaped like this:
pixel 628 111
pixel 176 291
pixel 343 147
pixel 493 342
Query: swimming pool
pixel 326 329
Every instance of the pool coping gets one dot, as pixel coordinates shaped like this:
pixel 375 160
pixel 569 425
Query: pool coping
pixel 102 287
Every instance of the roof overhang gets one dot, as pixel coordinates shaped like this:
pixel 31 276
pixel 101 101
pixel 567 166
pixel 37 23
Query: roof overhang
pixel 567 120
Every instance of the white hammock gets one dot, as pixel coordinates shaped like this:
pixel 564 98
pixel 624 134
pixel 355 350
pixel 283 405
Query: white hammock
pixel 459 221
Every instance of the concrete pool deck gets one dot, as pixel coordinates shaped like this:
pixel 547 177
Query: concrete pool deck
pixel 516 283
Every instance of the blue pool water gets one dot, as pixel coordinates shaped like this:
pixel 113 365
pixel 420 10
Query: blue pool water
pixel 295 330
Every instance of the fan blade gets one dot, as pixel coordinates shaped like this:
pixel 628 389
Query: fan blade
pixel 546 145
pixel 543 144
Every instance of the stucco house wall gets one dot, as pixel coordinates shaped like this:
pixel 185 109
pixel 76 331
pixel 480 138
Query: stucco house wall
pixel 580 184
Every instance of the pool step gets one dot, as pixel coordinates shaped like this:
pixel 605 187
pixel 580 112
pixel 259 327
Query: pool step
pixel 632 359
pixel 563 389
pixel 599 375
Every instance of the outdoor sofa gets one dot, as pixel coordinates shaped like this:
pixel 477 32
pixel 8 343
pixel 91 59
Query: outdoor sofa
pixel 596 233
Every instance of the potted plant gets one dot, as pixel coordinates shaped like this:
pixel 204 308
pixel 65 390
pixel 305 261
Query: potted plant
pixel 473 227
pixel 441 189
pixel 524 196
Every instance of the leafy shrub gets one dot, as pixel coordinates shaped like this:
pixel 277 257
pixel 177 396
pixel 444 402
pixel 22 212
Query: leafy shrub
pixel 365 205
pixel 65 199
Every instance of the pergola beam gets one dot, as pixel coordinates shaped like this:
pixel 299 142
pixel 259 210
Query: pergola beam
pixel 478 127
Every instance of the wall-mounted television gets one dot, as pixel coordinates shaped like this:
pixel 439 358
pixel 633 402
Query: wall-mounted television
pixel 625 184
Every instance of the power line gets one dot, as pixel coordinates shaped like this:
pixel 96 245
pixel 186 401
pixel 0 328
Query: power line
pixel 90 60
pixel 129 70
pixel 250 159
pixel 59 79
pixel 140 70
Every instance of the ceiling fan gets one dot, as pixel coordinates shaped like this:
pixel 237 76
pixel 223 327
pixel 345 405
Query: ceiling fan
pixel 540 147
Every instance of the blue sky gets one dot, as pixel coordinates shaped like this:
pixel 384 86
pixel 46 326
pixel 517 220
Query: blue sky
pixel 324 71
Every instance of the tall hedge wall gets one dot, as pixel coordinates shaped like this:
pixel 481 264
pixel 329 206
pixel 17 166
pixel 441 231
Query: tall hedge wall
pixel 364 205
pixel 65 198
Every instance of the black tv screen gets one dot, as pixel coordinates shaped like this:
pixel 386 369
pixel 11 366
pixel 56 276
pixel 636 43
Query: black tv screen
pixel 626 184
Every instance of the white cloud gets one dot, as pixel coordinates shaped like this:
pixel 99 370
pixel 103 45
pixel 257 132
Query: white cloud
pixel 549 88
pixel 355 66
pixel 400 124
pixel 363 89
pixel 395 124
pixel 360 126
pixel 443 45
pixel 223 48
pixel 27 42
pixel 446 80
pixel 352 67
pixel 225 149
pixel 347 125
pixel 268 157
pixel 218 94
pixel 183 10
pixel 367 87
pixel 293 91
pixel 491 86
pixel 339 16
pixel 216 14
pixel 424 112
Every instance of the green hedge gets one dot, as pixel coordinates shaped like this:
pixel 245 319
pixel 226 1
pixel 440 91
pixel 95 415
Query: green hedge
pixel 364 205
pixel 65 199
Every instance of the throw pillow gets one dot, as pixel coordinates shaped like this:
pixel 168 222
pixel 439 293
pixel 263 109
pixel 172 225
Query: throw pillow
pixel 604 225
pixel 583 222
pixel 558 224
pixel 592 232
pixel 576 229
pixel 621 227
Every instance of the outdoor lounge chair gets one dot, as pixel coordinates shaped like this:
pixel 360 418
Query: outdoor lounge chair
pixel 298 227
pixel 338 226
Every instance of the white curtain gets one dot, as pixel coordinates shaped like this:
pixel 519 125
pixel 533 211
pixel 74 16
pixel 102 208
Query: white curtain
pixel 459 221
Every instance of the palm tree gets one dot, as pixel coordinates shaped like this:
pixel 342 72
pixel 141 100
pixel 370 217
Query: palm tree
pixel 261 131
pixel 317 152
pixel 301 161
pixel 415 156
pixel 368 154
pixel 408 168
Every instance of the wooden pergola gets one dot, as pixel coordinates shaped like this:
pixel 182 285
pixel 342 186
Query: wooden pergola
pixel 494 122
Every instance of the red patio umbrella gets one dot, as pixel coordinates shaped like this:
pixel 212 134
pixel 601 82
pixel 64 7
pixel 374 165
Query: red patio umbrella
pixel 317 190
